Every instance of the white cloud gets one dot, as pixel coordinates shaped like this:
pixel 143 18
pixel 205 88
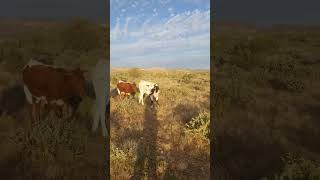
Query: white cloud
pixel 198 1
pixel 164 1
pixel 126 25
pixel 183 33
pixel 116 32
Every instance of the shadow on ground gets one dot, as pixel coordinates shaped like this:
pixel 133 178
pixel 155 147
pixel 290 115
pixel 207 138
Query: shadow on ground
pixel 146 162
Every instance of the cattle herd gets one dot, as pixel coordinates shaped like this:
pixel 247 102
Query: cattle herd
pixel 145 88
pixel 50 89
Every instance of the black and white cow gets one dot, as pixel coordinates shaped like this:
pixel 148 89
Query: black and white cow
pixel 148 88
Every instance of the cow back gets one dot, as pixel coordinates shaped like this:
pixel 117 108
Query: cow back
pixel 127 87
pixel 51 83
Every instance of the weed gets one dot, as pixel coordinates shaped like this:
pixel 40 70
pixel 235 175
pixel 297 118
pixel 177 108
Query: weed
pixel 200 124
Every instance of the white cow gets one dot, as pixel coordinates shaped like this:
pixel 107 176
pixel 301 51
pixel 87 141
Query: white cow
pixel 100 79
pixel 149 88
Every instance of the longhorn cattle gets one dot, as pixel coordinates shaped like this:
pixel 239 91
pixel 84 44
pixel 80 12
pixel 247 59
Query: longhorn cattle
pixel 51 86
pixel 148 88
pixel 126 88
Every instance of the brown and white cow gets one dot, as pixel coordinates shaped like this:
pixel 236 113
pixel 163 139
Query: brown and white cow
pixel 126 88
pixel 51 86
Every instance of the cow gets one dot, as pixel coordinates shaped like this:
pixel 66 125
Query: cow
pixel 148 88
pixel 49 86
pixel 154 96
pixel 126 88
pixel 100 79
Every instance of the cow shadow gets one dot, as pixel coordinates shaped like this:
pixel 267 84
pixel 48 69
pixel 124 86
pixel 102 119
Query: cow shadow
pixel 146 162
pixel 12 101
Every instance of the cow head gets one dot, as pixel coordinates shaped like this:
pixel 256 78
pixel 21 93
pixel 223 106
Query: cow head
pixel 155 92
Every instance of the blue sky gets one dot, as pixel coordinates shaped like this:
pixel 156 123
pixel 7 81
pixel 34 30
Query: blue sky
pixel 160 33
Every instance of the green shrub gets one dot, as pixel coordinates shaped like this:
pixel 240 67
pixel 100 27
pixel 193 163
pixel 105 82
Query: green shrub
pixel 200 124
pixel 187 78
pixel 120 161
pixel 299 169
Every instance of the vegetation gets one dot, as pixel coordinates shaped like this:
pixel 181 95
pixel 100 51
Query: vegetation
pixel 51 147
pixel 75 43
pixel 173 143
pixel 265 102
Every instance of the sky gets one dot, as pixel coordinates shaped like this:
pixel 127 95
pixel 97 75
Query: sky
pixel 164 32
pixel 268 12
pixel 95 10
pixel 160 33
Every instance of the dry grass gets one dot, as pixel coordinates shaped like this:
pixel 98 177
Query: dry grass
pixel 266 102
pixel 160 145
pixel 51 147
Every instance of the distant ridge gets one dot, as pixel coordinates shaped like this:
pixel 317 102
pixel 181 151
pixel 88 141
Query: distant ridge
pixel 156 69
pixel 223 25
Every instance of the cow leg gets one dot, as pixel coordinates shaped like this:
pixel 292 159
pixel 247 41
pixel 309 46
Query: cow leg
pixel 37 111
pixel 56 110
pixel 96 120
pixel 65 110
pixel 33 112
pixel 99 105
pixel 141 98
pixel 104 127
pixel 103 120
pixel 100 117
pixel 42 105
pixel 60 111
pixel 73 111
pixel 45 110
